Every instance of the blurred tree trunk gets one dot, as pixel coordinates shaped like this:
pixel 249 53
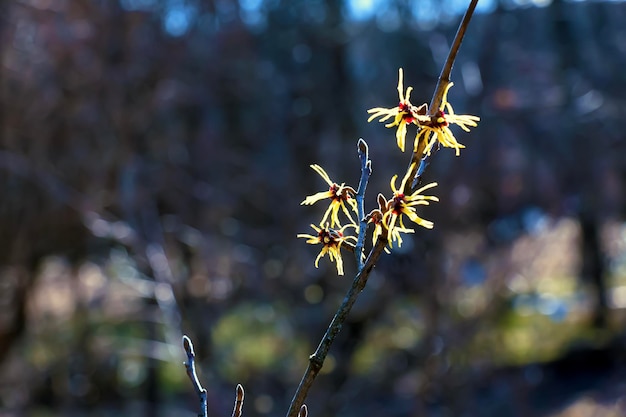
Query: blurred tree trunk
pixel 593 265
pixel 568 51
pixel 340 84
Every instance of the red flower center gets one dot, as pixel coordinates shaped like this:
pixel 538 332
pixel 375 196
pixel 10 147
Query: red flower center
pixel 339 193
pixel 397 203
pixel 329 236
pixel 407 115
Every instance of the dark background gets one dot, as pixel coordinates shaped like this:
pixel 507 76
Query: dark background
pixel 155 152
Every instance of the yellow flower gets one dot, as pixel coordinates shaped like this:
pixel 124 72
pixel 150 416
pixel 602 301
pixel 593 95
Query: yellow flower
pixel 405 113
pixel 401 204
pixel 376 217
pixel 331 240
pixel 437 125
pixel 339 195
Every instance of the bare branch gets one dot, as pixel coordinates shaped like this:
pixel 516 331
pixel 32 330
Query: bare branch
pixel 366 172
pixel 421 162
pixel 238 401
pixel 190 366
pixel 316 360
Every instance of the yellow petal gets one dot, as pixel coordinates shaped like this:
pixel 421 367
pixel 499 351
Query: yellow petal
pixel 322 173
pixel 393 183
pixel 316 197
pixel 328 211
pixel 424 188
pixel 401 135
pixel 382 112
pixel 400 84
pixel 406 177
pixel 320 255
pixel 444 98
pixel 408 95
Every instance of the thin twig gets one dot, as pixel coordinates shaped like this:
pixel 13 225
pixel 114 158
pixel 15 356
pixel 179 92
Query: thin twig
pixel 366 172
pixel 190 366
pixel 238 401
pixel 421 162
pixel 316 360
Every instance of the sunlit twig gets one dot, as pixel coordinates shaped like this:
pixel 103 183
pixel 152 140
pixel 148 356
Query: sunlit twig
pixel 238 401
pixel 316 360
pixel 190 366
pixel 366 171
pixel 420 160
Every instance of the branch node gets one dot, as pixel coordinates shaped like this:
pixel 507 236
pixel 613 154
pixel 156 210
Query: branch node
pixel 316 361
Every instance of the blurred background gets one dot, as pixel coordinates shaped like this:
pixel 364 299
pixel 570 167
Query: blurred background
pixel 153 157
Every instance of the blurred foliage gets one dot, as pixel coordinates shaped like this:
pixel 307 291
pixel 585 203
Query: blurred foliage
pixel 257 339
pixel 153 157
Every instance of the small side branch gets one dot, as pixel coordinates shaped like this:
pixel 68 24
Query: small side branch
pixel 238 401
pixel 190 366
pixel 366 172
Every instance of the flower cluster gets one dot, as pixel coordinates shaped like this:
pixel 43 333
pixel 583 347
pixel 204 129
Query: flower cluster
pixel 388 219
pixel 405 114
pixel 435 125
pixel 331 241
pixel 439 123
pixel 331 234
pixel 339 196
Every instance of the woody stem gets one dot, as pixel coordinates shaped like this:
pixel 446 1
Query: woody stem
pixel 419 161
pixel 316 360
pixel 366 171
